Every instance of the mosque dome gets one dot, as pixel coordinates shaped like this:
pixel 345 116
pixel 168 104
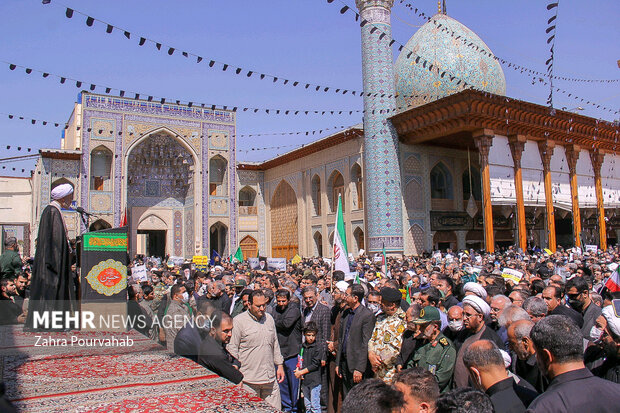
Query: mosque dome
pixel 447 53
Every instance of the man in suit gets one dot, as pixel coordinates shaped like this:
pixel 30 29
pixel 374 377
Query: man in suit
pixel 320 314
pixel 356 329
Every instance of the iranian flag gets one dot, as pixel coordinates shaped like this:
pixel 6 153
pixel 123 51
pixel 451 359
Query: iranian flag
pixel 613 283
pixel 341 262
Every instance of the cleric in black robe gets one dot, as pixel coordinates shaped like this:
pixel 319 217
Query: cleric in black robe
pixel 52 287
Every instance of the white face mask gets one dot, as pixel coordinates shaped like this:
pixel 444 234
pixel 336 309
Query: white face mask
pixel 185 297
pixel 374 308
pixel 595 333
pixel 455 325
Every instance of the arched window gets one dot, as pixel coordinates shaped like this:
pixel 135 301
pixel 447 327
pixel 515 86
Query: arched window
pixel 316 194
pixel 358 234
pixel 335 188
pixel 476 183
pixel 318 244
pixel 247 198
pixel 218 176
pixel 100 169
pixel 357 196
pixel 441 182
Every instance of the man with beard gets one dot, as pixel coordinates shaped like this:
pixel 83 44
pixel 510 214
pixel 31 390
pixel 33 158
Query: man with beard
pixel 287 318
pixel 559 353
pixel 475 310
pixel 579 299
pixel 53 284
pixel 212 352
pixel 553 298
pixel 438 355
pixel 524 359
pixel 384 346
pixel 218 297
pixel 10 313
pixel 607 329
pixel 10 261
pixel 21 290
pixel 334 382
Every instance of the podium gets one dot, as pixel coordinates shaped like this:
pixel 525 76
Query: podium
pixel 103 275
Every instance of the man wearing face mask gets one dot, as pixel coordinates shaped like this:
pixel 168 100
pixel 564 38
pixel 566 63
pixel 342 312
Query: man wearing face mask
pixel 559 352
pixel 176 314
pixel 411 337
pixel 579 299
pixel 438 355
pixel 606 334
pixel 455 332
pixel 373 302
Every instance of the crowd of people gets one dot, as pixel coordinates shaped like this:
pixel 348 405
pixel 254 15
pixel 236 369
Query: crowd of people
pixel 447 332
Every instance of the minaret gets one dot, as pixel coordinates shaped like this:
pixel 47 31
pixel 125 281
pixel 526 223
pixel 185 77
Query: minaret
pixel 384 215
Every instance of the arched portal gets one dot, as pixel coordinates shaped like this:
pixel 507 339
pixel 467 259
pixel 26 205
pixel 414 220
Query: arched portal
pixel 160 181
pixel 284 237
pixel 218 239
pixel 358 235
pixel 249 247
pixel 316 195
pixel 357 194
pixel 100 169
pixel 335 187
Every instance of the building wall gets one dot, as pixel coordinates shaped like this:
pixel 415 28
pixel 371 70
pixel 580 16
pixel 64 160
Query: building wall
pixel 298 175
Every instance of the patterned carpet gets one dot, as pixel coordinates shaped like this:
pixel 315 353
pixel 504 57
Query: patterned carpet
pixel 139 378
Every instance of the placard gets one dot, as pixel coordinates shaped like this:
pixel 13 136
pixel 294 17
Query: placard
pixel 512 275
pixel 276 264
pixel 138 273
pixel 254 263
pixel 592 248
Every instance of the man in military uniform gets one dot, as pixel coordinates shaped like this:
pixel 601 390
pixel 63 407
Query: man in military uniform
pixel 438 355
pixel 387 337
pixel 10 261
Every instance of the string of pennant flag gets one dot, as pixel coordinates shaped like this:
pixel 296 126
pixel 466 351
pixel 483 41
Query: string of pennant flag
pixel 512 65
pixel 151 98
pixel 430 66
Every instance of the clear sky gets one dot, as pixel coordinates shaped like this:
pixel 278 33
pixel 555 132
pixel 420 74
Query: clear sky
pixel 305 40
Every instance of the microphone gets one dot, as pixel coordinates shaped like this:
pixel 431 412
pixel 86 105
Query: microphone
pixel 83 211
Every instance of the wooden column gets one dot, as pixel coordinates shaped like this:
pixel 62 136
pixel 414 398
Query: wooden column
pixel 517 145
pixel 484 140
pixel 572 155
pixel 597 161
pixel 546 152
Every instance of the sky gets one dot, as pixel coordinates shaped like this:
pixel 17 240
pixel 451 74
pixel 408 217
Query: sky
pixel 305 40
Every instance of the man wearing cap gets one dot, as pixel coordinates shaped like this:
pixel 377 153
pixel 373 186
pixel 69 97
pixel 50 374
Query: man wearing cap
pixel 438 355
pixel 387 336
pixel 52 287
pixel 236 306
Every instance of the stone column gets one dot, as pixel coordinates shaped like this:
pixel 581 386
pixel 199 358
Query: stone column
pixel 383 206
pixel 597 161
pixel 572 155
pixel 546 152
pixel 484 140
pixel 517 145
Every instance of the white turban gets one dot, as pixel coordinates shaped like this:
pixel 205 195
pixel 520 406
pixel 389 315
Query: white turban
pixel 613 321
pixel 62 191
pixel 478 304
pixel 342 286
pixel 475 288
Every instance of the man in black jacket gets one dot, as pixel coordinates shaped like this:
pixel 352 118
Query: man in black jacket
pixel 188 339
pixel 213 354
pixel 485 364
pixel 287 319
pixel 356 329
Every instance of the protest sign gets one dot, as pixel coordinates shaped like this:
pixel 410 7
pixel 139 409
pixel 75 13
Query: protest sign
pixel 512 275
pixel 139 273
pixel 592 248
pixel 254 263
pixel 274 264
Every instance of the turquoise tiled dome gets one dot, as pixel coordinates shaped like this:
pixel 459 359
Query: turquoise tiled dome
pixel 447 54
